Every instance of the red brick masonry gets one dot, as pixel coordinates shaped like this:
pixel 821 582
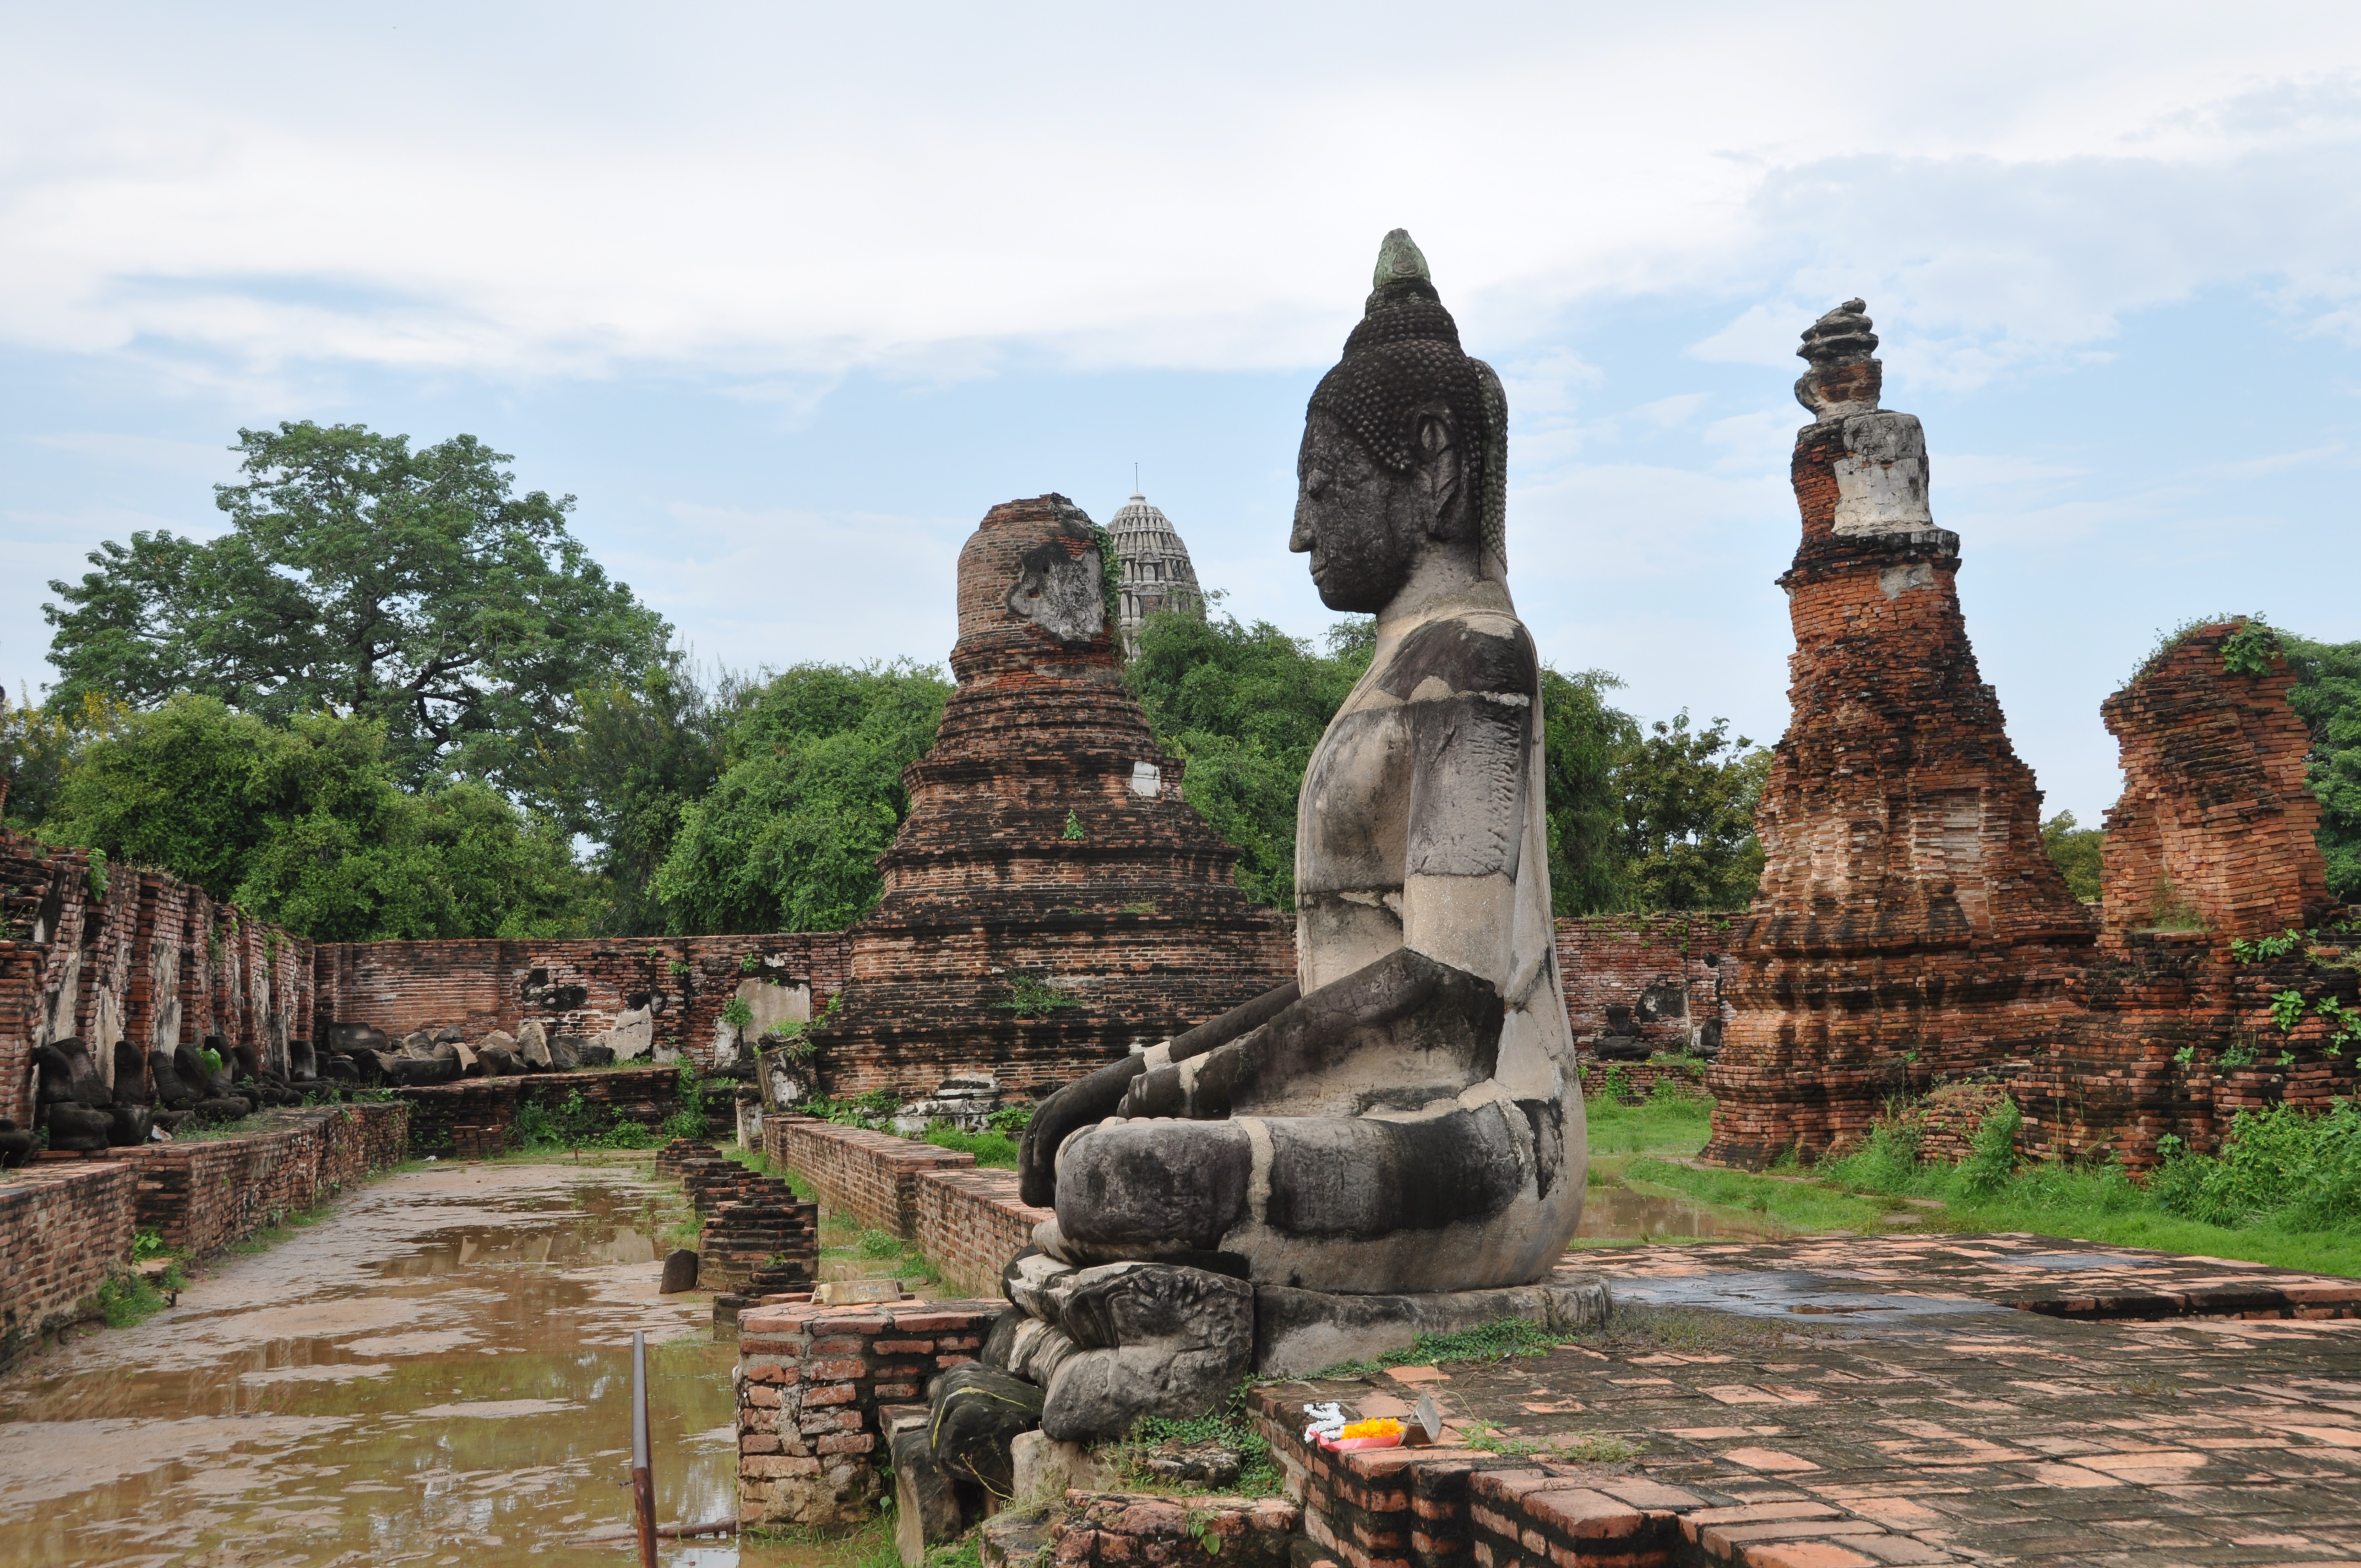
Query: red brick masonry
pixel 64 1226
pixel 810 1380
pixel 153 961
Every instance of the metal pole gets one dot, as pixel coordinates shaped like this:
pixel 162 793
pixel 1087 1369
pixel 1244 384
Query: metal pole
pixel 643 1483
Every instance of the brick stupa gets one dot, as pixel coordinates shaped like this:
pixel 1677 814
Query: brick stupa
pixel 1908 923
pixel 1051 903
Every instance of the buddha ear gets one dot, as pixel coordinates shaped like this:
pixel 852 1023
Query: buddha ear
pixel 1438 452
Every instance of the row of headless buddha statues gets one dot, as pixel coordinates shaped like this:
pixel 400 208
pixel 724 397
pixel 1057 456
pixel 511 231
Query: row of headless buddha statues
pixel 1403 1119
pixel 75 1107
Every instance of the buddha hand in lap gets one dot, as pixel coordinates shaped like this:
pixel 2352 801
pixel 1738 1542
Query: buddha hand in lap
pixel 1405 1117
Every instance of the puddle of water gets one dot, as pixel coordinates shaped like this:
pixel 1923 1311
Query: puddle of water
pixel 1614 1212
pixel 1780 1293
pixel 439 1372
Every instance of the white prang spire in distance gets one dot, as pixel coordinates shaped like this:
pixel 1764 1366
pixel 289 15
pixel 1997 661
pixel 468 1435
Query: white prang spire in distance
pixel 1156 575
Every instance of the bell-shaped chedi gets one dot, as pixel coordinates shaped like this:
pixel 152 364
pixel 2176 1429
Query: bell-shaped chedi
pixel 1908 923
pixel 1051 903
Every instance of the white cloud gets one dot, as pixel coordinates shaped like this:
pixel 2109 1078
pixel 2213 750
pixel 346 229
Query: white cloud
pixel 790 191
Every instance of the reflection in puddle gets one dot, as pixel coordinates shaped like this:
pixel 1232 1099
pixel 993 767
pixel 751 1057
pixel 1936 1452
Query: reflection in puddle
pixel 1615 1212
pixel 437 1373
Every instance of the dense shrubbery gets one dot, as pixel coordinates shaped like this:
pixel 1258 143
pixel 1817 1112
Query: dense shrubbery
pixel 2278 1168
pixel 787 838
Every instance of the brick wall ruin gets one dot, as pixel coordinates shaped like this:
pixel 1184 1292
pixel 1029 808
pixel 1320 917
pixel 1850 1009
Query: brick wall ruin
pixel 1909 930
pixel 1637 985
pixel 2212 843
pixel 1909 925
pixel 660 997
pixel 151 960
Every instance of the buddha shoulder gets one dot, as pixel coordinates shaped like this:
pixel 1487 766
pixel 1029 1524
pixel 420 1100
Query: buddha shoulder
pixel 1481 653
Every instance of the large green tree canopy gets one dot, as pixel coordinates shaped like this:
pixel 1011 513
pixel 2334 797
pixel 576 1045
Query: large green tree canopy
pixel 810 795
pixel 414 590
pixel 1243 707
pixel 623 775
pixel 303 824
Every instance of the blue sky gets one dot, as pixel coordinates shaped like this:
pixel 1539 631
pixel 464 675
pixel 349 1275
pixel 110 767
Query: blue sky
pixel 787 298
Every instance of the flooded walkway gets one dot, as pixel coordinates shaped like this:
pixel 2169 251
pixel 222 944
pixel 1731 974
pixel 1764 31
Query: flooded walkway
pixel 439 1371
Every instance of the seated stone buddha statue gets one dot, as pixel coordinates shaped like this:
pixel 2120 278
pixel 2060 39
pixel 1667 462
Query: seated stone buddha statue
pixel 1405 1117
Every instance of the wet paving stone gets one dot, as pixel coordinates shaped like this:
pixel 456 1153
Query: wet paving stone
pixel 1949 1416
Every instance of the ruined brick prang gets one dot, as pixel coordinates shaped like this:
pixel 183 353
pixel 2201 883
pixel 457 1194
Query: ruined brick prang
pixel 1909 924
pixel 2212 843
pixel 1050 902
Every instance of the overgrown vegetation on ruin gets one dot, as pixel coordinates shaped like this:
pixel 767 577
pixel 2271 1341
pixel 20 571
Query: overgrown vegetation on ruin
pixel 394 695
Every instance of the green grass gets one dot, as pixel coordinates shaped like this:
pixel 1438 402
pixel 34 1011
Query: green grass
pixel 1580 1448
pixel 1258 1472
pixel 998 1150
pixel 1790 1206
pixel 2284 1192
pixel 127 1300
pixel 1667 1122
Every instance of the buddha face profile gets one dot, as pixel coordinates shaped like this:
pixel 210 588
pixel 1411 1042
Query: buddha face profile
pixel 1365 525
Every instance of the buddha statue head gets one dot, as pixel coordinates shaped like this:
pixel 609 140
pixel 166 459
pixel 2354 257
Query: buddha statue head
pixel 1405 448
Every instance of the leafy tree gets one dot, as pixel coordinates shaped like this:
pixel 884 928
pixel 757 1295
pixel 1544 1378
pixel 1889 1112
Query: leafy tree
pixel 303 825
pixel 632 761
pixel 1689 817
pixel 1583 744
pixel 2328 694
pixel 1243 707
pixel 811 793
pixel 38 747
pixel 411 588
pixel 2075 851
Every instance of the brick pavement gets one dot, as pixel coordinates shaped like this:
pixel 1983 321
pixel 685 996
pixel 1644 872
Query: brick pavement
pixel 1850 1401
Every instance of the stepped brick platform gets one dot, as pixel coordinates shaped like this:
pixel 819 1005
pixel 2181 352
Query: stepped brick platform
pixel 1909 925
pixel 1847 1402
pixel 758 1238
pixel 1050 902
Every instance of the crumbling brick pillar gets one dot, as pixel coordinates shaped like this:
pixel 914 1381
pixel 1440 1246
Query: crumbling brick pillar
pixel 1909 924
pixel 2211 843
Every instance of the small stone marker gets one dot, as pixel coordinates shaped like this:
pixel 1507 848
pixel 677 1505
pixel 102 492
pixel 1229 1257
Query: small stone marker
pixel 679 1272
pixel 845 1292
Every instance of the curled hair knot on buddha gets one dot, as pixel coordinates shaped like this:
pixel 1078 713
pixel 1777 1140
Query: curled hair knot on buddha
pixel 1403 366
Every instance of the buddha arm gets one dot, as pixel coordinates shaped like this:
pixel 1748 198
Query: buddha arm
pixel 1092 1099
